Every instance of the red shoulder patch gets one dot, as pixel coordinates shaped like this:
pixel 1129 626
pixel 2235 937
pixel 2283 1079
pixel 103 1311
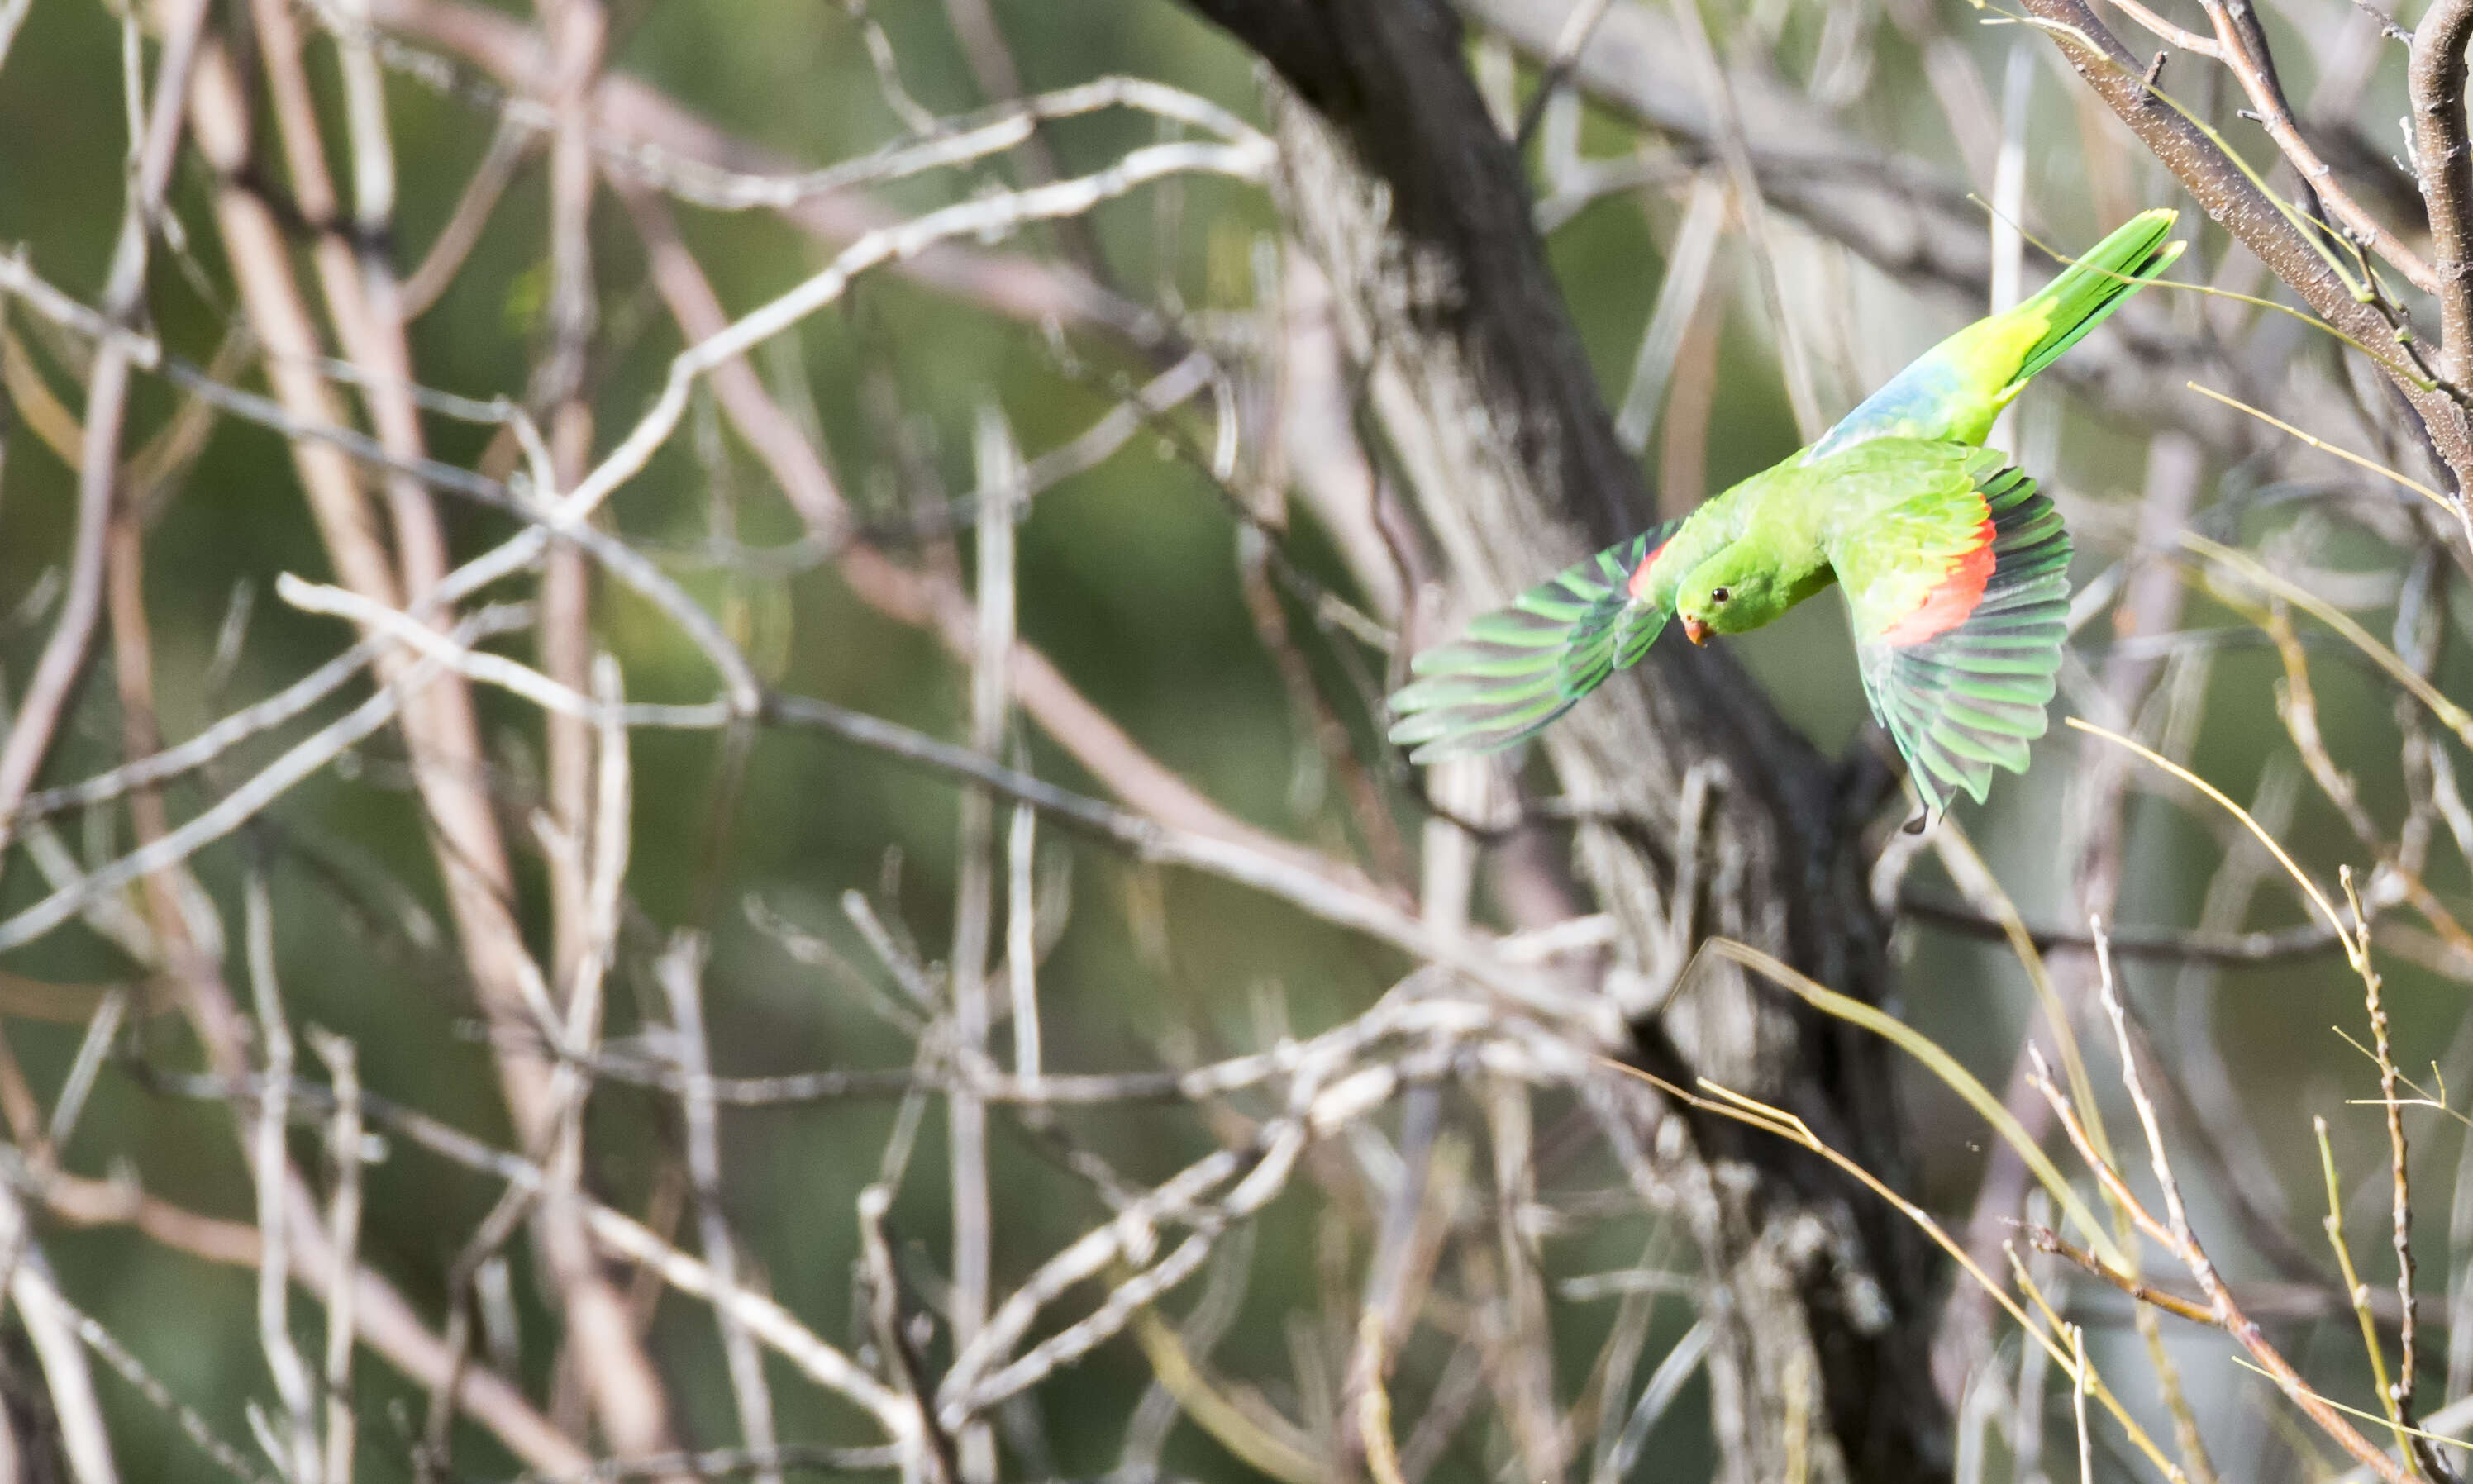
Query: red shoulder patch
pixel 1640 573
pixel 1952 598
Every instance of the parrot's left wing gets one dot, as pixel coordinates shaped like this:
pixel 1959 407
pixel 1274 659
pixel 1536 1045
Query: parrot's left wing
pixel 1526 663
pixel 1960 596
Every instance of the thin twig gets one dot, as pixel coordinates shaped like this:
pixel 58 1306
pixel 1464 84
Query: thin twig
pixel 296 699
pixel 301 1458
pixel 229 814
pixel 2077 1405
pixel 50 1325
pixel 2359 1291
pixel 13 15
pixel 65 653
pixel 2243 49
pixel 95 1337
pixel 1022 942
pixel 2191 946
pixel 1689 260
pixel 722 1463
pixel 987 218
pixel 345 1157
pixel 1794 360
pixel 2173 1233
pixel 1374 1418
pixel 1574 40
pixel 2047 1240
pixel 681 973
pixel 509 146
pixel 974 900
pixel 2399 1397
pixel 930 1450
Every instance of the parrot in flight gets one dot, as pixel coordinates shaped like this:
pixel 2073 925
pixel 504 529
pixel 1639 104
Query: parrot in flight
pixel 1955 570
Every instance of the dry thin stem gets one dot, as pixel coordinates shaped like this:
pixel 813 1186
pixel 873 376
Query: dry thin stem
pixel 154 151
pixel 1680 294
pixel 681 973
pixel 51 1326
pixel 1021 942
pixel 2165 30
pixel 2173 1234
pixel 1793 357
pixel 1786 1125
pixel 2242 48
pixel 299 1457
pixel 989 218
pixel 441 732
pixel 2078 1407
pixel 345 1157
pixel 998 463
pixel 2324 446
pixel 1484 1017
pixel 382 1318
pixel 1942 1066
pixel 2309 887
pixel 2359 1291
pixel 230 813
pixel 12 15
pixel 1374 1418
pixel 2399 1397
pixel 625 1238
pixel 81 1328
pixel 430 282
pixel 1256 1433
pixel 2453 716
pixel 2045 1239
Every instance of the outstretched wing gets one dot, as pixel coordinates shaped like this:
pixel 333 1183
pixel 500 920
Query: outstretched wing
pixel 1523 665
pixel 1960 600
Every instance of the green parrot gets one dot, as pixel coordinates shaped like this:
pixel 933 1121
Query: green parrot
pixel 1955 570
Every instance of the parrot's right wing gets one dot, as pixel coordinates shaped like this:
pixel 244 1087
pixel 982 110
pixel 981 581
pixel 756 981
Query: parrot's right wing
pixel 1961 598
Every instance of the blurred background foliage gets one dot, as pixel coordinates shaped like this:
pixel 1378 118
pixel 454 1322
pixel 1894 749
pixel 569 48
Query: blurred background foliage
pixel 1129 579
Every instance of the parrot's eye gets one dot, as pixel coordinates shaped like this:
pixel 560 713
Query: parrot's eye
pixel 1719 594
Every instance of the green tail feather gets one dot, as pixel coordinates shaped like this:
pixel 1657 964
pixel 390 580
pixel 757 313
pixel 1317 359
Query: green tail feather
pixel 1954 391
pixel 1521 667
pixel 2094 286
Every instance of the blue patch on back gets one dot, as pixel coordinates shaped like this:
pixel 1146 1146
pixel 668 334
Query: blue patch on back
pixel 1912 404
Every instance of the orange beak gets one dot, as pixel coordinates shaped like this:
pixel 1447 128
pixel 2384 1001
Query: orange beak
pixel 1694 630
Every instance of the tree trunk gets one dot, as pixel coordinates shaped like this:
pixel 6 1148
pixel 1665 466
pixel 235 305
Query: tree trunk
pixel 1399 183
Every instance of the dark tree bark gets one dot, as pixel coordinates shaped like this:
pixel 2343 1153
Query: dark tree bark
pixel 40 1455
pixel 1416 206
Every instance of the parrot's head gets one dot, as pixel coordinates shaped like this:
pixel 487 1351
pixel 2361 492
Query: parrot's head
pixel 1736 590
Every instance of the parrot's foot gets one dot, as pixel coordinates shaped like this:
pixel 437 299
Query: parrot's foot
pixel 1925 819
